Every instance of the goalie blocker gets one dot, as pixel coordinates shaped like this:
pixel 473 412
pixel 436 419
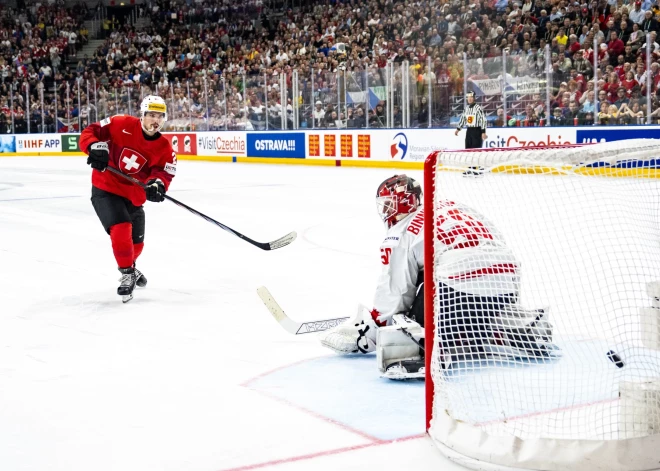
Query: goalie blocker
pixel 478 283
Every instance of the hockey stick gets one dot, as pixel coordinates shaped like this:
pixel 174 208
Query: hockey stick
pixel 276 244
pixel 289 324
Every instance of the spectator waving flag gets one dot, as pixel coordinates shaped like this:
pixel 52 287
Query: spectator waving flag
pixel 67 125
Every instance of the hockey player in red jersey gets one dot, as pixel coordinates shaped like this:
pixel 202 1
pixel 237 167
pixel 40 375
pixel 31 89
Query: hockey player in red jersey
pixel 477 278
pixel 135 147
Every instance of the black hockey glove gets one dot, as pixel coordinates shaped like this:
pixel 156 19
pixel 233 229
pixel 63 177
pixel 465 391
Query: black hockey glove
pixel 155 190
pixel 98 155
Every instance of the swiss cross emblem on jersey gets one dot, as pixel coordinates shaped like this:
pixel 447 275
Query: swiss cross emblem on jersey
pixel 131 161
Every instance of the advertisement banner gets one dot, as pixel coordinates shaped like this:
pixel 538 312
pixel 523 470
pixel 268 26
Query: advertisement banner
pixel 594 135
pixel 70 142
pixel 416 144
pixel 363 146
pixel 346 145
pixel 339 144
pixel 381 144
pixel 526 137
pixel 7 144
pixel 228 143
pixel 314 145
pixel 183 143
pixel 276 144
pixel 329 149
pixel 39 143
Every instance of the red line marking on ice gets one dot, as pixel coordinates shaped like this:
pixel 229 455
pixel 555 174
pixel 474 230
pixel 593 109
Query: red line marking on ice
pixel 373 441
pixel 246 384
pixel 316 415
pixel 319 454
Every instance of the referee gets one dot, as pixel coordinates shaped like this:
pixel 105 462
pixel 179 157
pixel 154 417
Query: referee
pixel 473 118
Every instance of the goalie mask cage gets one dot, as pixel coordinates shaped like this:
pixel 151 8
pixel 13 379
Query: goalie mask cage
pixel 575 232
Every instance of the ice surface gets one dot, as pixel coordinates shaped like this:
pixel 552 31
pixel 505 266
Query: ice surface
pixel 181 378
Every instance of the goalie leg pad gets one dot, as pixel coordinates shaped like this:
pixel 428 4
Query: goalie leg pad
pixel 356 335
pixel 397 355
pixel 523 333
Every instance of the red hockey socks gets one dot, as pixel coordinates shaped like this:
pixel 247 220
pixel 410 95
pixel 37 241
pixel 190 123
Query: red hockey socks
pixel 122 244
pixel 137 250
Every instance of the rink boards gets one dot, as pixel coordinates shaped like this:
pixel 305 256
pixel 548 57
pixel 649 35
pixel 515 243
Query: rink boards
pixel 380 148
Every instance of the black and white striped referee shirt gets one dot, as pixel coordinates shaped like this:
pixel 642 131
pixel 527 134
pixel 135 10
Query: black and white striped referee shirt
pixel 473 117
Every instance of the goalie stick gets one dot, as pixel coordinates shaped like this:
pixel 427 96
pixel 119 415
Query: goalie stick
pixel 289 324
pixel 276 244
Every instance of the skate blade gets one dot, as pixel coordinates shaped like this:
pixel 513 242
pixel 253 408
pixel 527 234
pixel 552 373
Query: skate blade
pixel 126 298
pixel 399 373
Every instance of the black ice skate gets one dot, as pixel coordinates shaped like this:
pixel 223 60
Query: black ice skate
pixel 140 279
pixel 127 284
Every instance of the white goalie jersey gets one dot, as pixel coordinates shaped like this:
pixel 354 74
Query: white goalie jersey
pixel 402 259
pixel 473 258
pixel 472 255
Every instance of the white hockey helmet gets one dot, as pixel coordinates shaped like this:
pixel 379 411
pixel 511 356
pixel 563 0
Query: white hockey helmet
pixel 153 103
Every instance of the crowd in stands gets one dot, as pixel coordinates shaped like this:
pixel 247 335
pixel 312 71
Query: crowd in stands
pixel 250 65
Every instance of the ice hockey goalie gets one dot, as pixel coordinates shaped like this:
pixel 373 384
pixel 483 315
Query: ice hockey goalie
pixel 477 288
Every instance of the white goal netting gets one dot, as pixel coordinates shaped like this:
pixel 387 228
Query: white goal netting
pixel 546 326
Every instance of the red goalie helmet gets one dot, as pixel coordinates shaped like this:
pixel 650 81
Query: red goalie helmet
pixel 397 197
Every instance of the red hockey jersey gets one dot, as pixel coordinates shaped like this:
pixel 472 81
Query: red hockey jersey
pixel 131 151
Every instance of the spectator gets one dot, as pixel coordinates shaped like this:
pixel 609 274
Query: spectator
pixel 318 115
pixel 637 14
pixel 629 82
pixel 589 105
pixel 360 121
pixel 649 23
pixel 621 98
pixel 654 45
pixel 604 117
pixel 199 48
pixel 573 114
pixel 501 120
pixel 615 47
pixel 557 118
pixel 631 114
pixel 529 118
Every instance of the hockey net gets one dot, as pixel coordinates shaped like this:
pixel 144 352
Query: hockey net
pixel 542 303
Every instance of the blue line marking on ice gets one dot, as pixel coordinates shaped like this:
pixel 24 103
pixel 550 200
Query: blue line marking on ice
pixel 40 198
pixel 349 390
